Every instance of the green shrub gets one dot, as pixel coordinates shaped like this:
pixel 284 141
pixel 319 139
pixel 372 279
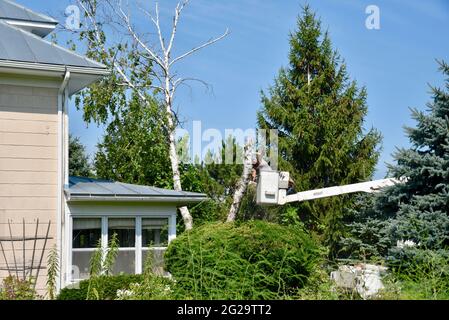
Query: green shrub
pixel 252 260
pixel 106 287
pixel 418 274
pixel 152 287
pixel 14 288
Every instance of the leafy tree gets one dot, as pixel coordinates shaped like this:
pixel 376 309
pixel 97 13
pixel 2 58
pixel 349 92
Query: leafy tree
pixel 418 209
pixel 320 114
pixel 140 70
pixel 133 149
pixel 78 160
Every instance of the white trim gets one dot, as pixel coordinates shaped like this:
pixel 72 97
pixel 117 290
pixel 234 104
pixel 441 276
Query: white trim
pixel 31 24
pixel 66 254
pixel 150 199
pixel 47 69
pixel 138 248
pixel 138 245
pixel 60 215
pixel 41 29
pixel 104 232
pixel 171 227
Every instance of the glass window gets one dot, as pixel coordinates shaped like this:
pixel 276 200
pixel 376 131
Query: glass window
pixel 81 264
pixel 125 262
pixel 153 258
pixel 154 232
pixel 125 230
pixel 86 236
pixel 86 232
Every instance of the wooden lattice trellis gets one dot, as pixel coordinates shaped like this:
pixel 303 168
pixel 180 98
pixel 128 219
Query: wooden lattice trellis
pixel 22 269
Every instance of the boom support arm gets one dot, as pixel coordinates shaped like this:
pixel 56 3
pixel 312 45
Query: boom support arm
pixel 272 189
pixel 368 187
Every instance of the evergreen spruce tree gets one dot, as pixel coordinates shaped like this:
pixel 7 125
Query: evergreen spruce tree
pixel 421 206
pixel 319 113
pixel 417 210
pixel 78 161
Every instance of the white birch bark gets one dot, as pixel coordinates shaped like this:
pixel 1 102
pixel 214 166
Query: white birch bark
pixel 242 185
pixel 163 65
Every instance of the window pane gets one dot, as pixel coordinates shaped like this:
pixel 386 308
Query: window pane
pixel 81 264
pixel 156 262
pixel 154 232
pixel 125 262
pixel 125 230
pixel 86 232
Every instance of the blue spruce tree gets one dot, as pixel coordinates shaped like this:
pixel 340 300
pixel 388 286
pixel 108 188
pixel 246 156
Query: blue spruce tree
pixel 417 210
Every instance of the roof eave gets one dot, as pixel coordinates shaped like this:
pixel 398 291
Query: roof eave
pixel 39 28
pixel 151 199
pixel 42 69
pixel 85 75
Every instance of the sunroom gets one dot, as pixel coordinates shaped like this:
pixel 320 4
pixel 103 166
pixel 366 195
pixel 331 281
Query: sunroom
pixel 142 218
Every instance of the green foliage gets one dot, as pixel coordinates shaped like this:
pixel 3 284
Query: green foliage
pixel 421 205
pixel 78 161
pixel 251 260
pixel 418 209
pixel 418 274
pixel 134 149
pixel 152 287
pixel 13 288
pixel 368 238
pixel 107 287
pixel 52 272
pixel 320 115
pixel 101 263
pixel 319 287
pixel 111 255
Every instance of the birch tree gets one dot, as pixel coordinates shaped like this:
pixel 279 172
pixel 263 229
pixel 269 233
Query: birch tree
pixel 156 56
pixel 243 182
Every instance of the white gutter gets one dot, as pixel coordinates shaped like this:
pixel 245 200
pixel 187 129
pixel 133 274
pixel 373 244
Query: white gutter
pixel 48 69
pixel 62 171
pixel 90 198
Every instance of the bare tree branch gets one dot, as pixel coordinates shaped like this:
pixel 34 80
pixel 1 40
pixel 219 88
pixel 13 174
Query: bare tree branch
pixel 126 19
pixel 178 10
pixel 115 65
pixel 208 43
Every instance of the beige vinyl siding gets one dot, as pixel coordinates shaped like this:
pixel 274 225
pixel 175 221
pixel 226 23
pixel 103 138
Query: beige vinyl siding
pixel 28 170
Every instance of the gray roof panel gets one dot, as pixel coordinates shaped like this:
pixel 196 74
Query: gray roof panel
pixel 14 11
pixel 88 188
pixel 19 45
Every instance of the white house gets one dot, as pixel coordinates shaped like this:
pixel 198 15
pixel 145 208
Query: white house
pixel 40 205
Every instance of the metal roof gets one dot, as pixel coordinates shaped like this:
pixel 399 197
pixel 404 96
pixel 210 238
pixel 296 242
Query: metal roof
pixel 83 189
pixel 19 45
pixel 14 11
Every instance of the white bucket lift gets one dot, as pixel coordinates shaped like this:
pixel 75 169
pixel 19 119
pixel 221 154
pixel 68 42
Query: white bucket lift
pixel 272 189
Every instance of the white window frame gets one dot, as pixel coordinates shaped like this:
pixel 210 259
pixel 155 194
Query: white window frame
pixel 138 248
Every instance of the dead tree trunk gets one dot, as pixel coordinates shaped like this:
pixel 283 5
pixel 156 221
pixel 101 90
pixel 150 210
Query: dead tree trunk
pixel 242 185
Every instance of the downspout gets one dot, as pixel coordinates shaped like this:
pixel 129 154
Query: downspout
pixel 62 175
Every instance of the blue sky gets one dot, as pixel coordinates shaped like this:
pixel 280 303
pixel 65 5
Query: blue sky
pixel 395 63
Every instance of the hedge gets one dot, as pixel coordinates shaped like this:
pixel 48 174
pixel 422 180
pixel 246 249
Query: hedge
pixel 106 287
pixel 251 260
